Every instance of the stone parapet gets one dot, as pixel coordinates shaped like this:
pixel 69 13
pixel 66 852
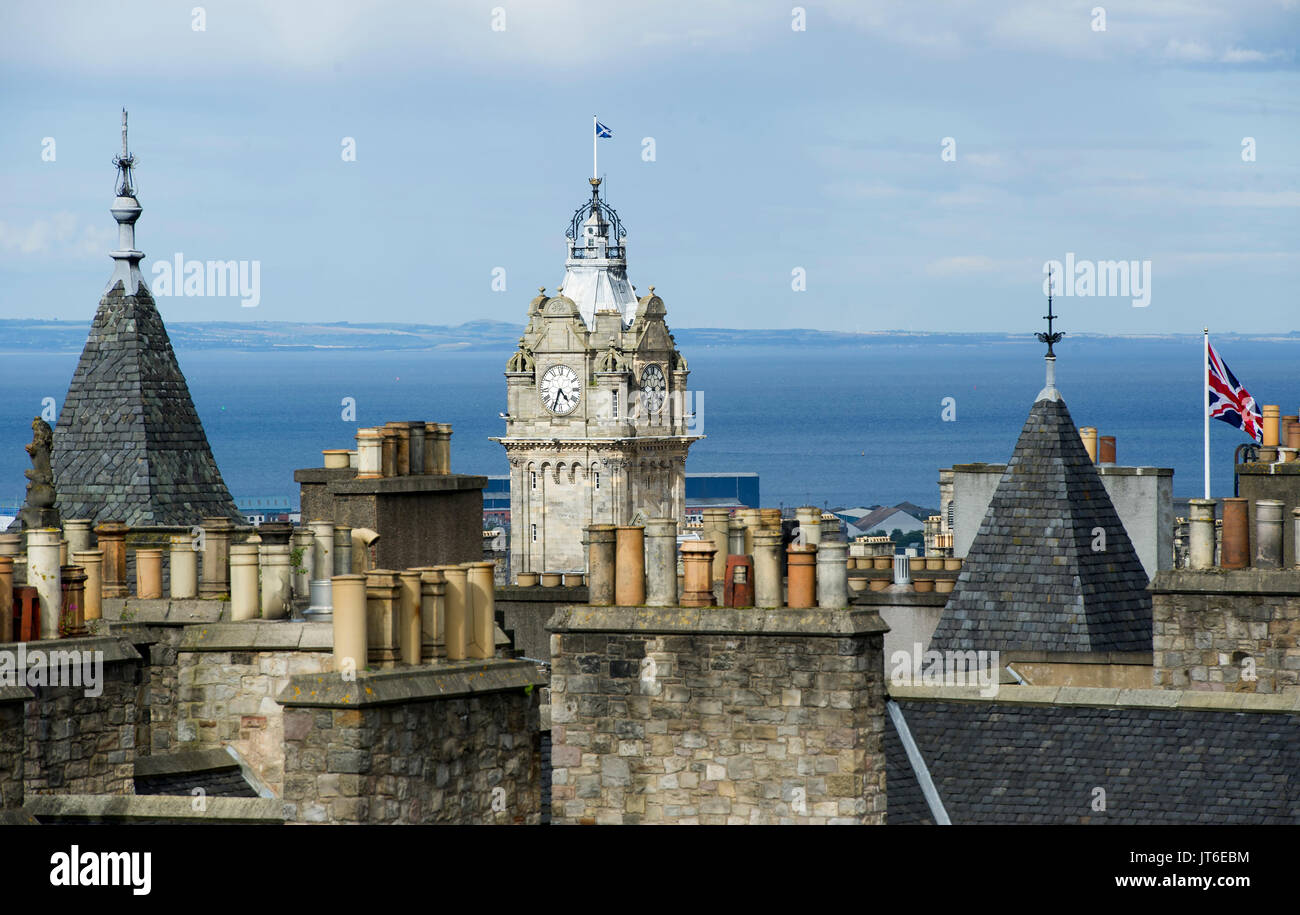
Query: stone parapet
pixel 454 743
pixel 1223 630
pixel 258 635
pixel 173 611
pixel 81 809
pixel 76 742
pixel 714 715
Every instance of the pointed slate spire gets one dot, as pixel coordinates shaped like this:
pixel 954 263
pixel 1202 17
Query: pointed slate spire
pixel 1051 568
pixel 129 445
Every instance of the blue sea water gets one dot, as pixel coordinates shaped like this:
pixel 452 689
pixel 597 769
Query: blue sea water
pixel 821 425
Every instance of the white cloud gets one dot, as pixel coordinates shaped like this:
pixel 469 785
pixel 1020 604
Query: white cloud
pixel 563 37
pixel 59 235
pixel 1188 51
pixel 1247 56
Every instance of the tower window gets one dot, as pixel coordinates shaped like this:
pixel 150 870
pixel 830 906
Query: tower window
pixel 533 475
pixel 533 532
pixel 598 479
pixel 615 401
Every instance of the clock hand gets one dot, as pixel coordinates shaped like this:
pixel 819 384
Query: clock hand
pixel 555 405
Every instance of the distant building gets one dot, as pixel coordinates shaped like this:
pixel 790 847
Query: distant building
pixel 905 517
pixel 261 510
pixel 496 502
pixel 599 416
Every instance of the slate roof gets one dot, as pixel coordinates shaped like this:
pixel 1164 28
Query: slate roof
pixel 877 518
pixel 129 445
pixel 1032 580
pixel 1008 763
pixel 227 782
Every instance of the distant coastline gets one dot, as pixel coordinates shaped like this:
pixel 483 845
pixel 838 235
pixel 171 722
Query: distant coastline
pixel 26 335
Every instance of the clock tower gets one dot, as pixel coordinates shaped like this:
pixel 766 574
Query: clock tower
pixel 598 419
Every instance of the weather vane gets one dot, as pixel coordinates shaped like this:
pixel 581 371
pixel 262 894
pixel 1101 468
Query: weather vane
pixel 1049 338
pixel 125 163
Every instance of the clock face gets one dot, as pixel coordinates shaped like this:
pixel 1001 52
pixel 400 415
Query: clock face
pixel 653 388
pixel 560 390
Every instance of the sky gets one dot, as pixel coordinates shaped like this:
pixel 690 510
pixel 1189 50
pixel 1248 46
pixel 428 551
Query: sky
pixel 911 166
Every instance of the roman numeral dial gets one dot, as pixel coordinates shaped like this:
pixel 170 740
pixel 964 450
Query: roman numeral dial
pixel 560 390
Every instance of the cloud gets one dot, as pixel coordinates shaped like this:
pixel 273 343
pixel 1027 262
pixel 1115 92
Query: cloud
pixel 1196 52
pixel 59 235
pixel 1192 52
pixel 559 38
pixel 1247 56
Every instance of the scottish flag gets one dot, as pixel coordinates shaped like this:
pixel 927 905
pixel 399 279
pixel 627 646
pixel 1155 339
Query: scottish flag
pixel 603 132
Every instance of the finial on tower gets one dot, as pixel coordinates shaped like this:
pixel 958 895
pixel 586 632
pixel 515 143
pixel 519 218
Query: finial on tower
pixel 125 165
pixel 1049 391
pixel 126 210
pixel 1049 338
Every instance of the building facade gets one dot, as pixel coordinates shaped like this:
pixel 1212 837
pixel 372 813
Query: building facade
pixel 599 418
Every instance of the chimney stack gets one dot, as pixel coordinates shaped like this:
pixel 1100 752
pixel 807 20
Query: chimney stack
pixel 1106 451
pixel 1268 534
pixel 1089 436
pixel 1236 533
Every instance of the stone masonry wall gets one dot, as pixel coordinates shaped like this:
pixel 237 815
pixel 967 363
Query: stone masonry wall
pixel 81 744
pixel 470 758
pixel 778 721
pixel 229 697
pixel 424 762
pixel 11 746
pixel 164 684
pixel 1211 627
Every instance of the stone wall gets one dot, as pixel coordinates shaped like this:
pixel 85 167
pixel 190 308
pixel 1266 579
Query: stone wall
pixel 1211 627
pixel 228 675
pixel 155 628
pixel 76 743
pixel 717 716
pixel 454 743
pixel 12 699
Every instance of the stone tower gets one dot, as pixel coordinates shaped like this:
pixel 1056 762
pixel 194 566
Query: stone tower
pixel 129 445
pixel 599 419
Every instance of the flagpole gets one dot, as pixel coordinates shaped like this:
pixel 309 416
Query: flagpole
pixel 594 173
pixel 1205 407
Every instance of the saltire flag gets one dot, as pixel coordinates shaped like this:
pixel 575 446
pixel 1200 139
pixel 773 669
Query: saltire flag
pixel 603 132
pixel 1230 402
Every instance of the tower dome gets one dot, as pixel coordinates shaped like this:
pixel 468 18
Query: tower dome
pixel 595 272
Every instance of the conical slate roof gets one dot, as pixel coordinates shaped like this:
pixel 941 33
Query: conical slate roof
pixel 129 445
pixel 1032 580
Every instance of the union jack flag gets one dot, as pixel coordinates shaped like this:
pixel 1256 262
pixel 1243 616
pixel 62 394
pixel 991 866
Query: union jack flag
pixel 1232 403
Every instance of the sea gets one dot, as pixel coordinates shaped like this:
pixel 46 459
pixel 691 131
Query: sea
pixel 826 425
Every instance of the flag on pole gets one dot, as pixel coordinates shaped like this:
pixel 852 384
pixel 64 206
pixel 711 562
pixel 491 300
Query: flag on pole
pixel 1229 401
pixel 603 132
